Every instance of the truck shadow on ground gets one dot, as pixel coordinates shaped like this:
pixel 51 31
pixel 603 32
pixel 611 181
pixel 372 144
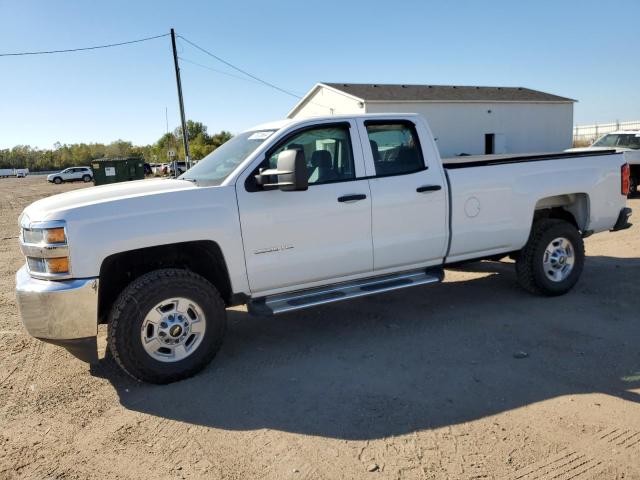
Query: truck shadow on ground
pixel 411 360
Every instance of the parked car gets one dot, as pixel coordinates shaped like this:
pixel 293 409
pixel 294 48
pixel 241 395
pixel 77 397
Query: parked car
pixel 181 166
pixel 73 174
pixel 625 141
pixel 161 169
pixel 294 214
pixel 22 172
pixel 155 168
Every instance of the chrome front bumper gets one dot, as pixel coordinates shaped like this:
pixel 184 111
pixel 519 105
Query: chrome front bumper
pixel 62 312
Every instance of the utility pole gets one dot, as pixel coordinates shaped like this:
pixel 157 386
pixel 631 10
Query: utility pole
pixel 185 133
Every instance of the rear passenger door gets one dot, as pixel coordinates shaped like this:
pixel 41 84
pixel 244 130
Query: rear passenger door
pixel 408 194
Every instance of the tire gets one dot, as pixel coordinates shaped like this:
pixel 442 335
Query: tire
pixel 135 305
pixel 551 278
pixel 57 180
pixel 86 178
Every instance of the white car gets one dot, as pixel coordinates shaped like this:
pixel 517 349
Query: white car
pixel 293 214
pixel 72 174
pixel 625 141
pixel 22 172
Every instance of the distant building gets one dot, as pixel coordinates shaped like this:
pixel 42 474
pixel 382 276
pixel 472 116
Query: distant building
pixel 464 120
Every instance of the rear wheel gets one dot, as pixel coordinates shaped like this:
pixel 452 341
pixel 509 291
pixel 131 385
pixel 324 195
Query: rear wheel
pixel 552 260
pixel 86 178
pixel 166 326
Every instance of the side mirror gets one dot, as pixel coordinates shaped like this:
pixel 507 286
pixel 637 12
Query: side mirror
pixel 291 172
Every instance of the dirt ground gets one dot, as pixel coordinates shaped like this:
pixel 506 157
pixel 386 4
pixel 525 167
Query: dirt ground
pixel 423 383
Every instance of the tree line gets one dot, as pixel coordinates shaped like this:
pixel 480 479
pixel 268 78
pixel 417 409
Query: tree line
pixel 201 143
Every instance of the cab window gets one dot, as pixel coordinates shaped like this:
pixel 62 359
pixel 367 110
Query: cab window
pixel 327 152
pixel 395 148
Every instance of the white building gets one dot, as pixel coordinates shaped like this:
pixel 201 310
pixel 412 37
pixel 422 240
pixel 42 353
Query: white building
pixel 464 120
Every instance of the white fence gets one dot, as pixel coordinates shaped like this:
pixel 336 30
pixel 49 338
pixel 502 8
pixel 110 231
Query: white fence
pixel 586 134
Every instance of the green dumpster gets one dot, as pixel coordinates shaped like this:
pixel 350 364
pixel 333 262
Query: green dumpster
pixel 114 170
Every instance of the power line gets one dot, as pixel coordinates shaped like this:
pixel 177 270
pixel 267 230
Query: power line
pixel 250 75
pixel 218 71
pixel 240 70
pixel 45 52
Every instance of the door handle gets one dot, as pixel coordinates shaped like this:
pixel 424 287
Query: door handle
pixel 352 198
pixel 429 188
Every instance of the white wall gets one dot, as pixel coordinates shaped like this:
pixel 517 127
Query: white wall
pixel 460 127
pixel 328 102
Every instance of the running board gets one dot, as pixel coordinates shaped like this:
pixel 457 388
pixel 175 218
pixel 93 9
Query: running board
pixel 287 302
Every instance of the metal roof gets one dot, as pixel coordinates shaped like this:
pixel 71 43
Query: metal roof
pixel 443 93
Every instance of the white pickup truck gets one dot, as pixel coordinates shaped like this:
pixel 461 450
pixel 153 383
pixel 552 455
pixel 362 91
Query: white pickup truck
pixel 293 214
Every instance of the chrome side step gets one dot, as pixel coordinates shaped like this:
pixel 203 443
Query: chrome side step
pixel 286 302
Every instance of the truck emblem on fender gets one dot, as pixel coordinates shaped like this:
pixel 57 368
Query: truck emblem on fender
pixel 272 249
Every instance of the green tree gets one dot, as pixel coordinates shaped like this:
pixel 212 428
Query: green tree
pixel 81 154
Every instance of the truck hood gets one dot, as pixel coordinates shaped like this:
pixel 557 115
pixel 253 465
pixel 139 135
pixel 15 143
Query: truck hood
pixel 50 208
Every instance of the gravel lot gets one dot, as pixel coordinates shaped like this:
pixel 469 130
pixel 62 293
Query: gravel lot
pixel 422 383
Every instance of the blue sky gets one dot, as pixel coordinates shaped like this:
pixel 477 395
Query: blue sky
pixel 580 49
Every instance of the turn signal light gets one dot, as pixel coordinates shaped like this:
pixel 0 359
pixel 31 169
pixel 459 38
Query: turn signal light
pixel 58 265
pixel 625 174
pixel 54 235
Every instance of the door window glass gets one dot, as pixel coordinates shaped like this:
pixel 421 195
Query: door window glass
pixel 395 148
pixel 327 152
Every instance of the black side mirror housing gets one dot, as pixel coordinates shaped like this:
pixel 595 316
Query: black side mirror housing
pixel 291 172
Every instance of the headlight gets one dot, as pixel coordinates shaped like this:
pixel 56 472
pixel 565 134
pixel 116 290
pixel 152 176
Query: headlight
pixel 45 246
pixel 44 235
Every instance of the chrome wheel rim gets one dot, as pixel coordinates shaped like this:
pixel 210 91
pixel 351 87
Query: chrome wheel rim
pixel 173 329
pixel 558 260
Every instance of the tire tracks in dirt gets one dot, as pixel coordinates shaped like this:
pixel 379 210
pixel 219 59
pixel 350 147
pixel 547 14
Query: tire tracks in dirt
pixel 584 458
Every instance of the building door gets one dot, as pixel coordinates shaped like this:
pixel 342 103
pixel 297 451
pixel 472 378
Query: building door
pixel 489 143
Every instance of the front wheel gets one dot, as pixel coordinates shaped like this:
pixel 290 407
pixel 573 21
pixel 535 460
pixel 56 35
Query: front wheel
pixel 552 260
pixel 167 325
pixel 57 180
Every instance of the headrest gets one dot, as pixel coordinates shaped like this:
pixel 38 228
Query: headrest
pixel 321 159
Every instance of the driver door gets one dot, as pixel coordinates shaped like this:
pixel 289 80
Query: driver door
pixel 297 239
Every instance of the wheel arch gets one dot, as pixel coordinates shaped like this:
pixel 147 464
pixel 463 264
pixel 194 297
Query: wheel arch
pixel 203 257
pixel 571 207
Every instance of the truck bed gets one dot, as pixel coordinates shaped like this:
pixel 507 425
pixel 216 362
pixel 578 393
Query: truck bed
pixel 492 211
pixel 469 161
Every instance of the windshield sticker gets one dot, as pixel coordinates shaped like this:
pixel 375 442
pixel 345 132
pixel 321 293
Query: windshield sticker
pixel 261 135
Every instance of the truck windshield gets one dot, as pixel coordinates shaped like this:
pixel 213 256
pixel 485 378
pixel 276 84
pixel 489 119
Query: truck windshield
pixel 218 165
pixel 623 140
